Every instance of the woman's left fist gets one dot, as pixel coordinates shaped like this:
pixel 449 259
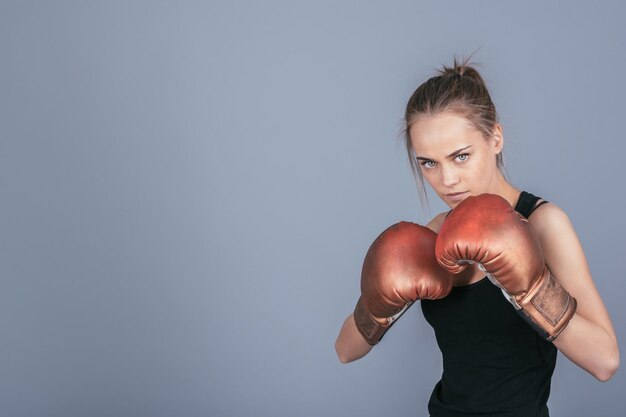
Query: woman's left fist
pixel 485 229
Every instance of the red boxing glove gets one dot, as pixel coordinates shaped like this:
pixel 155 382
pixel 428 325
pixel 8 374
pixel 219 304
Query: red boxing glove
pixel 485 229
pixel 399 268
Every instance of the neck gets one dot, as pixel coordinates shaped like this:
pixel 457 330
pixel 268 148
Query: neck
pixel 502 188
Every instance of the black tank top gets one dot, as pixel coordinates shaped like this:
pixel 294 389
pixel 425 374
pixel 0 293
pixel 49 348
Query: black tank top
pixel 494 363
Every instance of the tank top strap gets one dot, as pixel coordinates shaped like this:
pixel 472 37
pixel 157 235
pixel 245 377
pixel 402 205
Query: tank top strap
pixel 527 203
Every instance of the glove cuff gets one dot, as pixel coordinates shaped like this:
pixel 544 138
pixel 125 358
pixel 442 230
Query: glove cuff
pixel 371 330
pixel 548 306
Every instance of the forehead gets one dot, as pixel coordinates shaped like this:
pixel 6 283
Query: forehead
pixel 442 133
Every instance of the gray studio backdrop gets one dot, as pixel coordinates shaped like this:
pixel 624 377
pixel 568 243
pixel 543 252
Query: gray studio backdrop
pixel 188 190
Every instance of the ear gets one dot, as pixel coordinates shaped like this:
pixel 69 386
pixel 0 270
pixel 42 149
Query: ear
pixel 498 138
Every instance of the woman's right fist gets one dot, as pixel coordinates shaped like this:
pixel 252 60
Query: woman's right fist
pixel 399 268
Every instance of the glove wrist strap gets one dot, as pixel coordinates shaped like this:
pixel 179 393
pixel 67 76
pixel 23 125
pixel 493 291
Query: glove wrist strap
pixel 549 306
pixel 371 330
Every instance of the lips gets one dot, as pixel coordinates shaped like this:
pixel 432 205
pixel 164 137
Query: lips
pixel 457 197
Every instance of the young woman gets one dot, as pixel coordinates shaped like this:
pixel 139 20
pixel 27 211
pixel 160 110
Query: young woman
pixel 496 360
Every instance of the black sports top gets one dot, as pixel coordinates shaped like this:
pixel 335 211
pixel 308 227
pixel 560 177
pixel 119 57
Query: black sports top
pixel 494 363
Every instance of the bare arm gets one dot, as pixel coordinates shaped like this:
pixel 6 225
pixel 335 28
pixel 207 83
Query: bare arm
pixel 350 344
pixel 589 339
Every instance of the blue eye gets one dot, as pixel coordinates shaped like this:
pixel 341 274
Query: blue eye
pixel 464 155
pixel 425 164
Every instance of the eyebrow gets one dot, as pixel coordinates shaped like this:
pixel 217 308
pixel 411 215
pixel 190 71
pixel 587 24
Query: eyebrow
pixel 452 155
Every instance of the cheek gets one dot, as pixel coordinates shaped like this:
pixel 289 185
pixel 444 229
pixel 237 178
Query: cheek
pixel 481 171
pixel 427 174
pixel 428 177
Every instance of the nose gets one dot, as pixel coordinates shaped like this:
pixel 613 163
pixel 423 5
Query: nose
pixel 450 176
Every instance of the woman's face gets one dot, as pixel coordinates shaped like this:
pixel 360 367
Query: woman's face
pixel 454 158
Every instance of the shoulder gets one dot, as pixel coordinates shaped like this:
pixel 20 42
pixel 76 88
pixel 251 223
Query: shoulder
pixel 435 223
pixel 549 220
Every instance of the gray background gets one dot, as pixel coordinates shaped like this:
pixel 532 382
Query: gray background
pixel 188 190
